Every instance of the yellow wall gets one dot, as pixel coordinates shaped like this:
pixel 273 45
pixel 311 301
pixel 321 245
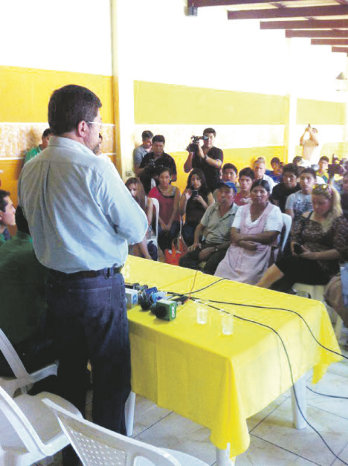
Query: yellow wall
pixel 318 112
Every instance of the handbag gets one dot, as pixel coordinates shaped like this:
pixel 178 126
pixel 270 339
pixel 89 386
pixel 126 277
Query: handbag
pixel 179 249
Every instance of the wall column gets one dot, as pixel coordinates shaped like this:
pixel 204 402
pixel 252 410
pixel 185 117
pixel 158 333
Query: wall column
pixel 291 137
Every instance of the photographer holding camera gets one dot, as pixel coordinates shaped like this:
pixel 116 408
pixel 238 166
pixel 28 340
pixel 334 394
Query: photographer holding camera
pixel 206 157
pixel 153 163
pixel 309 142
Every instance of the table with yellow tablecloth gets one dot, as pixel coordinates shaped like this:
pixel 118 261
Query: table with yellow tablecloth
pixel 218 380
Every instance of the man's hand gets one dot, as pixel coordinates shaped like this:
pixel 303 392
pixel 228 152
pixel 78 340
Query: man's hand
pixel 205 253
pixel 194 246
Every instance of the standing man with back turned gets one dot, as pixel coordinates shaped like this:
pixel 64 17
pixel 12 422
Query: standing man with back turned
pixel 81 218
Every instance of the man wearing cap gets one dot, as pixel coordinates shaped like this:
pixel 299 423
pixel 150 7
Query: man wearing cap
pixel 215 227
pixel 82 218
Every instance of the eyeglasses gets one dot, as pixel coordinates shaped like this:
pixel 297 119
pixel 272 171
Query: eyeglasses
pixel 94 123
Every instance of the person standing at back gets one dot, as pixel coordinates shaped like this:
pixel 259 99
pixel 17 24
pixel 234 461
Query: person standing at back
pixel 81 218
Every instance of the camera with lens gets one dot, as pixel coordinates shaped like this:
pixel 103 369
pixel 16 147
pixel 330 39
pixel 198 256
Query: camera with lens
pixel 194 142
pixel 194 193
pixel 336 166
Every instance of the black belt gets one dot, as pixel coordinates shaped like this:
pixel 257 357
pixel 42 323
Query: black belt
pixel 107 272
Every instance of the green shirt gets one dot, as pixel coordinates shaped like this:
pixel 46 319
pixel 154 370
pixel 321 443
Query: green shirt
pixel 32 153
pixel 22 289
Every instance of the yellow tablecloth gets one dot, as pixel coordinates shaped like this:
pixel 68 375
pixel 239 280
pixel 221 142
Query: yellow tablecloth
pixel 216 380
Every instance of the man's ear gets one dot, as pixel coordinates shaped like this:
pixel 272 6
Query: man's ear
pixel 1 216
pixel 82 128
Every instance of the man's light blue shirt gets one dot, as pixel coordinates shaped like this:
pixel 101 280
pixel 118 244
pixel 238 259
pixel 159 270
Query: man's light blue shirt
pixel 80 214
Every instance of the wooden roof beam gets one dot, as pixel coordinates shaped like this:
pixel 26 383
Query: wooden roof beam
pixel 204 3
pixel 340 49
pixel 307 24
pixel 329 42
pixel 332 10
pixel 320 33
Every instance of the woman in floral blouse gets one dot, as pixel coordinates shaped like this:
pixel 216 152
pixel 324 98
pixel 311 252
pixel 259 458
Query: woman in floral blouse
pixel 318 241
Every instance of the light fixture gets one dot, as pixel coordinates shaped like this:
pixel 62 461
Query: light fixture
pixel 342 82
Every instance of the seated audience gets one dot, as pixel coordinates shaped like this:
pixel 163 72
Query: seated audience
pixel 194 202
pixel 254 230
pixel 146 248
pixel 288 186
pixel 318 242
pixel 323 167
pixel 142 150
pixel 277 170
pixel 168 197
pixel 301 201
pixel 215 227
pixel 36 150
pixel 246 178
pixel 153 162
pixel 23 301
pixel 260 172
pixel 229 173
pixel 207 157
pixel 7 215
pixel 297 160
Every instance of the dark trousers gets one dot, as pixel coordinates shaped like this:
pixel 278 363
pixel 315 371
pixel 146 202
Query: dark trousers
pixel 188 232
pixel 90 323
pixel 165 237
pixel 191 260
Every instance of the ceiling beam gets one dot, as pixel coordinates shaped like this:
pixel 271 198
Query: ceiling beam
pixel 339 49
pixel 203 3
pixel 308 24
pixel 320 33
pixel 333 10
pixel 329 42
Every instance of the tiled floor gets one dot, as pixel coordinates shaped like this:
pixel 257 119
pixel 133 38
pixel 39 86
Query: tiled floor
pixel 274 441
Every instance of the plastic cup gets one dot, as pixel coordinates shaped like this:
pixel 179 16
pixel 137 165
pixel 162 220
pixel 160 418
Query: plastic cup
pixel 227 324
pixel 202 315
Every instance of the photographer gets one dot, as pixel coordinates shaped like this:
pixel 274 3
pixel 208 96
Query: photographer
pixel 309 142
pixel 206 157
pixel 153 162
pixel 193 203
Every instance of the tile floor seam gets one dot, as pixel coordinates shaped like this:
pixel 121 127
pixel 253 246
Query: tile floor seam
pixel 149 427
pixel 285 449
pixel 326 411
pixel 263 419
pixel 339 454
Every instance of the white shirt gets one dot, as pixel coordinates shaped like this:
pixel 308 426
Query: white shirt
pixel 274 221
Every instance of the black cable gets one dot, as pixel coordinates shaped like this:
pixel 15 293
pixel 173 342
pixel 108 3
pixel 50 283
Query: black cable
pixel 325 394
pixel 291 377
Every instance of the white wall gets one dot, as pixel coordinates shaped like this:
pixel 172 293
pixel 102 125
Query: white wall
pixel 65 35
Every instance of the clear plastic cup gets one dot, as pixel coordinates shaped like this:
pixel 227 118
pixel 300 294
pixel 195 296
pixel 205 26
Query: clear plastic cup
pixel 202 315
pixel 227 322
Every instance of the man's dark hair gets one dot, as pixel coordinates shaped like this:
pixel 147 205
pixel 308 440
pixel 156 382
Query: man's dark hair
pixel 47 132
pixel 209 130
pixel 247 171
pixel 69 105
pixel 230 166
pixel 3 203
pixel 290 168
pixel 158 138
pixel 309 171
pixel 164 169
pixel 324 158
pixel 276 160
pixel 297 159
pixel 21 221
pixel 146 135
pixel 264 183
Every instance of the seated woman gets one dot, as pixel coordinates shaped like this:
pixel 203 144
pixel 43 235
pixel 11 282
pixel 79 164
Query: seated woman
pixel 254 231
pixel 193 203
pixel 168 197
pixel 146 248
pixel 318 239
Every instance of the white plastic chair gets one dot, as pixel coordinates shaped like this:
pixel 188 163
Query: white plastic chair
pixel 154 235
pixel 22 379
pixel 97 446
pixel 29 432
pixel 287 222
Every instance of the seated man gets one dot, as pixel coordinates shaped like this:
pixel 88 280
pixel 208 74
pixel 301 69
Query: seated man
pixel 208 158
pixel 142 150
pixel 260 172
pixel 36 150
pixel 153 162
pixel 288 186
pixel 301 201
pixel 7 215
pixel 23 301
pixel 215 225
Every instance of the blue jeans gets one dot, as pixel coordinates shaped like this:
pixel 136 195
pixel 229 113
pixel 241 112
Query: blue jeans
pixel 90 323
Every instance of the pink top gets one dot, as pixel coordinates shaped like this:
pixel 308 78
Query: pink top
pixel 239 200
pixel 166 203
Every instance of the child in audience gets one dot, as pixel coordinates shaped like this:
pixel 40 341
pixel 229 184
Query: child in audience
pixel 246 178
pixel 276 173
pixel 194 202
pixel 301 201
pixel 229 173
pixel 169 218
pixel 289 186
pixel 144 249
pixel 323 167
